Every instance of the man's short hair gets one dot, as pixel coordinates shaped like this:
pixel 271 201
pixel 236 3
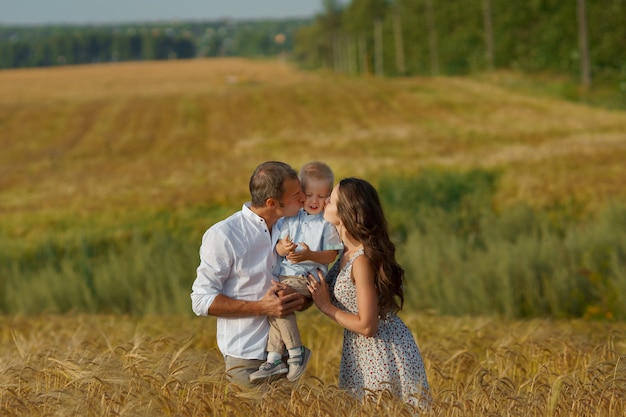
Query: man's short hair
pixel 267 181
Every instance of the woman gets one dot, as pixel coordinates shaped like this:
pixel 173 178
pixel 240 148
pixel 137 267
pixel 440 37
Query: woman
pixel 363 292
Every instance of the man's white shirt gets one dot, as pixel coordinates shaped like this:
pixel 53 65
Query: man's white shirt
pixel 238 260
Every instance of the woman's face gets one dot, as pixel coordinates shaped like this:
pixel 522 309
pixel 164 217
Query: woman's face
pixel 330 211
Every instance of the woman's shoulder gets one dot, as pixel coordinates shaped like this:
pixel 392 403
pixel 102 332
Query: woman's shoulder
pixel 361 258
pixel 357 254
pixel 361 264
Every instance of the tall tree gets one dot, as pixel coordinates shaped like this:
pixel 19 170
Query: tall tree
pixel 378 47
pixel 432 38
pixel 583 41
pixel 331 22
pixel 363 19
pixel 398 40
pixel 488 26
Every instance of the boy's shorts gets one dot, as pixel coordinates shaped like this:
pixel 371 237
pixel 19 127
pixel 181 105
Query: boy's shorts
pixel 297 283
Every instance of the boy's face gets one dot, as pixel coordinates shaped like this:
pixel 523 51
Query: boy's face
pixel 316 192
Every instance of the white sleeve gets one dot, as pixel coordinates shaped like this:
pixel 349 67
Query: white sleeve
pixel 331 239
pixel 215 268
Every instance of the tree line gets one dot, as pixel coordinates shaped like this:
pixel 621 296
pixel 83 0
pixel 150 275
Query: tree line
pixel 393 38
pixel 46 45
pixel 410 37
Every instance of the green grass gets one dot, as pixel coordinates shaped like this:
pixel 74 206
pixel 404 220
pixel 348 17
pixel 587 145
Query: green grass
pixel 606 92
pixel 461 255
pixel 464 257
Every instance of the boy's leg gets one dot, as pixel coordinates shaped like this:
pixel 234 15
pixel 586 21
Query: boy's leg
pixel 275 341
pixel 289 332
pixel 288 327
pixel 298 354
pixel 297 282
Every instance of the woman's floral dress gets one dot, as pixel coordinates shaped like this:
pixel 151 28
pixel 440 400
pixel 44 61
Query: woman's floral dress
pixel 388 360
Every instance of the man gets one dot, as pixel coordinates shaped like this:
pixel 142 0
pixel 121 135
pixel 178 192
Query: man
pixel 234 280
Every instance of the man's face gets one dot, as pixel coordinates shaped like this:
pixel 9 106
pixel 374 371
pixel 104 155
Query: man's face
pixel 316 193
pixel 293 198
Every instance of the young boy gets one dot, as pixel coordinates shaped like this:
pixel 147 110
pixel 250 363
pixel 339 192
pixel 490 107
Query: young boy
pixel 307 242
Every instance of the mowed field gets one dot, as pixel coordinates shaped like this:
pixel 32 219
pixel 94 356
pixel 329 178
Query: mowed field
pixel 182 133
pixel 89 146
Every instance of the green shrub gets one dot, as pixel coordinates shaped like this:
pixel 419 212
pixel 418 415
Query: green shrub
pixel 462 257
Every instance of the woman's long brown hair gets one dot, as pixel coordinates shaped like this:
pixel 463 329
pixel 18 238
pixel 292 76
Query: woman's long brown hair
pixel 361 214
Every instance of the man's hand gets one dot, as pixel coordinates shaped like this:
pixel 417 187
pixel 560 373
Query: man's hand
pixel 306 301
pixel 280 300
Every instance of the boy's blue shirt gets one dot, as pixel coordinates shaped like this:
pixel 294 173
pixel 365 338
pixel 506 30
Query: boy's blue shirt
pixel 313 230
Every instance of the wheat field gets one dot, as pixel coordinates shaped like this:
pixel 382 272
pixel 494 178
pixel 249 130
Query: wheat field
pixel 84 365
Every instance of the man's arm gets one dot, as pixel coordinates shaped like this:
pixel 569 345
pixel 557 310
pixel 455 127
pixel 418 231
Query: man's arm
pixel 272 304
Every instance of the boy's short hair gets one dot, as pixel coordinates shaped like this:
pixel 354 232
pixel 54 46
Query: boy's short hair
pixel 316 170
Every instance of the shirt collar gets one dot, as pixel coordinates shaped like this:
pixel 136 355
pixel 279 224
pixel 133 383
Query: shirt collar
pixel 252 216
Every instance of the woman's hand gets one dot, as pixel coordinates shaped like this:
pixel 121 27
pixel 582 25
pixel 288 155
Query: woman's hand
pixel 319 291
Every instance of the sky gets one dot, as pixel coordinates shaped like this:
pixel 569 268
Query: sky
pixel 114 11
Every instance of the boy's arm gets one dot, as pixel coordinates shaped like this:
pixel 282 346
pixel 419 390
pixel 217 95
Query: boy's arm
pixel 324 257
pixel 285 246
